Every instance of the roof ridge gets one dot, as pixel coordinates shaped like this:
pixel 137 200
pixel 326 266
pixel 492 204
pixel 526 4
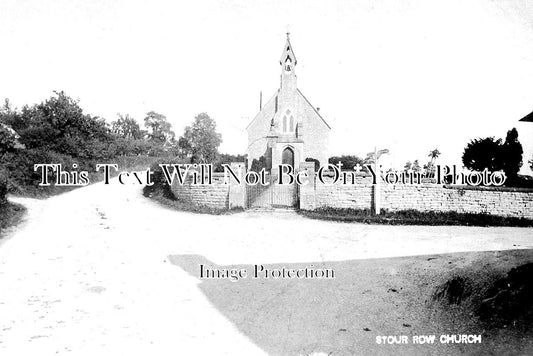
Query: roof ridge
pixel 316 111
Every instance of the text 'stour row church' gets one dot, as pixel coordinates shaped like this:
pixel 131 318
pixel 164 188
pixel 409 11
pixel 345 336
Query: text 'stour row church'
pixel 288 129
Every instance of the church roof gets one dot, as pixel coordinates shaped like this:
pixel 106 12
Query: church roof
pixel 271 108
pixel 287 52
pixel 316 111
pixel 265 107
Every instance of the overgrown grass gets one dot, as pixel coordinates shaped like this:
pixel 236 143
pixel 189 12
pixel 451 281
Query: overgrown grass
pixel 413 217
pixel 10 215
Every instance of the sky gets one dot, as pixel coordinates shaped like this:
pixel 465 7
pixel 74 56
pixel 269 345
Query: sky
pixel 409 76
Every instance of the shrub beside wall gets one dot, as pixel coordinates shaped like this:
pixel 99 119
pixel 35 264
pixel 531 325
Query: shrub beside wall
pixel 3 188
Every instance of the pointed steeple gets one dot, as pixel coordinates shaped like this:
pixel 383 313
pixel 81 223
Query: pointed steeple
pixel 288 63
pixel 288 59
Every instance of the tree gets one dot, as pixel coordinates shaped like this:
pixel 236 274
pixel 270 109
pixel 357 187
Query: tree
pixel 416 166
pixel 413 166
pixel 127 127
pixel 430 166
pixel 200 141
pixel 511 155
pixel 59 124
pixel 129 136
pixel 225 158
pixel 159 129
pixel 184 146
pixel 348 161
pixel 8 136
pixel 8 139
pixel 483 153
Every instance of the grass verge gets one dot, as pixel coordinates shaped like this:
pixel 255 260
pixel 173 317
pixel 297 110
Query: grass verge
pixel 10 215
pixel 413 217
pixel 175 204
pixel 497 299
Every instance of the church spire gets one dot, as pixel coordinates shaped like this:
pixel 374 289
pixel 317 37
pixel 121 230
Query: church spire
pixel 288 59
pixel 288 62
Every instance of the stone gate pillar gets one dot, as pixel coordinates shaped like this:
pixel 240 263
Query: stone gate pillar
pixel 308 191
pixel 237 192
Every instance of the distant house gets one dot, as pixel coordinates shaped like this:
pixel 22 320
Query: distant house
pixel 528 117
pixel 288 129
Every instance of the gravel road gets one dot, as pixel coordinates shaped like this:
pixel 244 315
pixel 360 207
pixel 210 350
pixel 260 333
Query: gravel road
pixel 102 270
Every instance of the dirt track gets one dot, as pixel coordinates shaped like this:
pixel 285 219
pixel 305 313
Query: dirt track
pixel 103 270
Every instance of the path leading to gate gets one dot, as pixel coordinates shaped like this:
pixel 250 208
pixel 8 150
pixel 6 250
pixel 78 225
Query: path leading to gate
pixel 91 271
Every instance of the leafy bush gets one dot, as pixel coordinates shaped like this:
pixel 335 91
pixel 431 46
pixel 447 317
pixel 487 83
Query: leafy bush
pixel 160 186
pixel 483 153
pixel 59 124
pixel 24 180
pixel 492 154
pixel 10 214
pixel 3 187
pixel 8 140
pixel 348 161
pixel 225 158
pixel 57 131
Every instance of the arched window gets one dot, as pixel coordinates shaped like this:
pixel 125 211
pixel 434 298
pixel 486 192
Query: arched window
pixel 288 122
pixel 288 64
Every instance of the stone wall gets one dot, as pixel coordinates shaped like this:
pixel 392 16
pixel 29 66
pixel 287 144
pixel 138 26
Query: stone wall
pixel 495 201
pixel 424 197
pixel 214 195
pixel 357 196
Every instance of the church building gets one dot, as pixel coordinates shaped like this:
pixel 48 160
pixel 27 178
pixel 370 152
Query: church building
pixel 288 129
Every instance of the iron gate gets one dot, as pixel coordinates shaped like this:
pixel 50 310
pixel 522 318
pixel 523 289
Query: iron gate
pixel 273 195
